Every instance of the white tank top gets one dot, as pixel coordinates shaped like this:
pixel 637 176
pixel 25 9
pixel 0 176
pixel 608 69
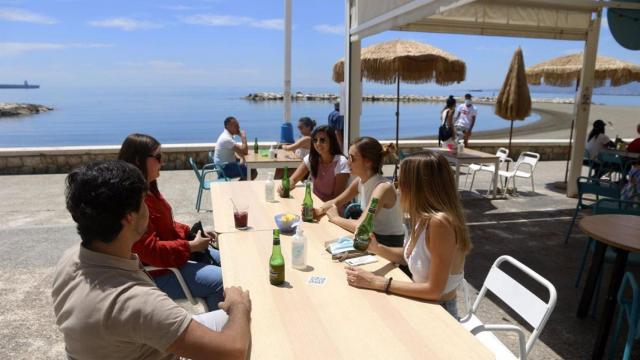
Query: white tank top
pixel 419 262
pixel 387 221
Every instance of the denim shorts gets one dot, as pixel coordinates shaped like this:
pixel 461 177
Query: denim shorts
pixel 452 307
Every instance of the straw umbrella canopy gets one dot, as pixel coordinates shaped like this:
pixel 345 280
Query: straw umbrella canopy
pixel 408 61
pixel 514 100
pixel 564 71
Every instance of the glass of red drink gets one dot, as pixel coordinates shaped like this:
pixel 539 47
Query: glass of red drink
pixel 241 216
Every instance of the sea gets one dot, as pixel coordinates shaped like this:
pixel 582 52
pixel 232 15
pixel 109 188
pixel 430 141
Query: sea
pixel 105 116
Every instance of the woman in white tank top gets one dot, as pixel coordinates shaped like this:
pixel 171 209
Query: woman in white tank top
pixel 366 156
pixel 437 240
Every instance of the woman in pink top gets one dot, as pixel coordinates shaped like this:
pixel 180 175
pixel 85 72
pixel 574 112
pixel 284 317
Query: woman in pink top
pixel 329 169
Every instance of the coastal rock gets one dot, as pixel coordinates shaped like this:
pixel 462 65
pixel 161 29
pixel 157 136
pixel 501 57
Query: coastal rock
pixel 300 96
pixel 16 109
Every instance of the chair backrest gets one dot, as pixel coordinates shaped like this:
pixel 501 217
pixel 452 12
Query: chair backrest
pixel 502 153
pixel 610 158
pixel 597 187
pixel 529 306
pixel 527 158
pixel 195 170
pixel 615 206
pixel 211 152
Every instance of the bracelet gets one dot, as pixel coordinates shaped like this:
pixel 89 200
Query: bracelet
pixel 386 288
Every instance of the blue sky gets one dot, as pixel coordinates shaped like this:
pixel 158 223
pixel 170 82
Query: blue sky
pixel 219 43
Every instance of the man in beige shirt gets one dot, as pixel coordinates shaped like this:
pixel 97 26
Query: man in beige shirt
pixel 107 306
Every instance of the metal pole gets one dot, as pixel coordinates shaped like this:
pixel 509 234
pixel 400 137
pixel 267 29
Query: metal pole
pixel 395 169
pixel 287 61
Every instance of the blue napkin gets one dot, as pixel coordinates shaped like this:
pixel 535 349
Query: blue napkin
pixel 344 243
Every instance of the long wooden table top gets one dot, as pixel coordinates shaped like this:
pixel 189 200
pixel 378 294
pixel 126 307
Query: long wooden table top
pixel 621 231
pixel 283 157
pixel 468 155
pixel 330 321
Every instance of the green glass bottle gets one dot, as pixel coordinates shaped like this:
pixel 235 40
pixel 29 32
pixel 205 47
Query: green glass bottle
pixel 276 261
pixel 255 146
pixel 363 233
pixel 286 188
pixel 307 204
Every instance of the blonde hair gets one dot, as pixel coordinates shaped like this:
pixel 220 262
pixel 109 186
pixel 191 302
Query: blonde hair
pixel 427 189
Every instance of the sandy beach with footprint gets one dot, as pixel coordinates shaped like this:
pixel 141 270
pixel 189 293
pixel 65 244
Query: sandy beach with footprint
pixel 555 122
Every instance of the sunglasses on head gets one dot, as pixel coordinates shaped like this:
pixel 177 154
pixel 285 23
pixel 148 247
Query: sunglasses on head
pixel 158 156
pixel 320 140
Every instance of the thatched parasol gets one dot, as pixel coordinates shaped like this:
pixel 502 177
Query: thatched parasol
pixel 564 71
pixel 514 100
pixel 408 61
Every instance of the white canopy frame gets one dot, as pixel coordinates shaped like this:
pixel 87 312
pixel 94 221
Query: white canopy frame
pixel 543 19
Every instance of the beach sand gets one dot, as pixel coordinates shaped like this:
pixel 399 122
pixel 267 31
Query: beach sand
pixel 555 122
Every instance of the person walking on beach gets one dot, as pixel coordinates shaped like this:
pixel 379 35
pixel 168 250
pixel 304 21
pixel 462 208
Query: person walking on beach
pixel 106 305
pixel 465 120
pixel 229 154
pixel 336 121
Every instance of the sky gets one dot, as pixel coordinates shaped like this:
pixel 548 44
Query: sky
pixel 223 43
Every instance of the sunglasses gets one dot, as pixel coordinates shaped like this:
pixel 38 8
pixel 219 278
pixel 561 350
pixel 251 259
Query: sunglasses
pixel 157 156
pixel 320 140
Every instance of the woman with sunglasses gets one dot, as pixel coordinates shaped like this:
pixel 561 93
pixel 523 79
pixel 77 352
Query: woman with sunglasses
pixel 329 169
pixel 366 156
pixel 302 146
pixel 165 243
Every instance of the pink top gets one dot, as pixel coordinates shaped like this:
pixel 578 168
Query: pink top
pixel 324 183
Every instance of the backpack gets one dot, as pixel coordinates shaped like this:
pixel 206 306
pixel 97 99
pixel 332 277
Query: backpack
pixel 444 131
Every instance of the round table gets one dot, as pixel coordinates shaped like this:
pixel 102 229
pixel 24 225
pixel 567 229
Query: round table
pixel 622 233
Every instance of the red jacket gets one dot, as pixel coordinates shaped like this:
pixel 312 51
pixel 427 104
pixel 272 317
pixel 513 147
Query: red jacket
pixel 164 244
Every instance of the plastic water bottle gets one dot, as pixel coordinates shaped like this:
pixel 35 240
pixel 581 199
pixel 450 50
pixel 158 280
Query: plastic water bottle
pixel 269 189
pixel 299 249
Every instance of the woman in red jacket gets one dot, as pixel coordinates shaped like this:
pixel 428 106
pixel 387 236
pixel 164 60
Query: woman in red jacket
pixel 165 243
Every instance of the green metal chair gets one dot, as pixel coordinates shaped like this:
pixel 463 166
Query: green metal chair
pixel 611 164
pixel 595 187
pixel 203 183
pixel 629 310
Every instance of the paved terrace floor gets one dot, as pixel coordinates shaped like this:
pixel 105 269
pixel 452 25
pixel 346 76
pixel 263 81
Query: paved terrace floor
pixel 36 229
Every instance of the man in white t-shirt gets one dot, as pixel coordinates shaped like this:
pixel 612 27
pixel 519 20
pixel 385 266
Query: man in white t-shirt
pixel 106 305
pixel 465 120
pixel 228 152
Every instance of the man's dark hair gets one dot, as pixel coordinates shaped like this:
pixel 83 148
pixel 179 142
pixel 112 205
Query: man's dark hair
pixel 100 194
pixel 336 106
pixel 228 120
pixel 467 96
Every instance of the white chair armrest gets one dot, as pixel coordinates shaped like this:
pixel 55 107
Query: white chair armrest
pixel 501 327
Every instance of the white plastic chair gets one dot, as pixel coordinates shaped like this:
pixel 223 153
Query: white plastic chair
pixel 526 304
pixel 502 154
pixel 183 285
pixel 526 159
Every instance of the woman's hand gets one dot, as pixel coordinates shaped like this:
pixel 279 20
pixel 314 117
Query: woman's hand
pixel 213 238
pixel 279 190
pixel 332 212
pixel 359 278
pixel 374 245
pixel 199 244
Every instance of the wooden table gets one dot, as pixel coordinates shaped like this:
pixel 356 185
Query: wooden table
pixel 622 233
pixel 470 156
pixel 284 158
pixel 330 321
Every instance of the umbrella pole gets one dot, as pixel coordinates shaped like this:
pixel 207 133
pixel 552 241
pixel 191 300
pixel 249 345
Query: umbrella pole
pixel 566 169
pixel 510 135
pixel 395 170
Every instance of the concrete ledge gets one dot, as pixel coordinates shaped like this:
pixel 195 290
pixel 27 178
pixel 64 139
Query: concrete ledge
pixel 48 160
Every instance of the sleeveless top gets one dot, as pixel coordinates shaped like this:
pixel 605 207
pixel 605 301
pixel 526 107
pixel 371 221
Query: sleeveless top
pixel 419 262
pixel 387 221
pixel 301 152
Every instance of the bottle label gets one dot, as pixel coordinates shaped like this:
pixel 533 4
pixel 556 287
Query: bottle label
pixel 276 274
pixel 307 213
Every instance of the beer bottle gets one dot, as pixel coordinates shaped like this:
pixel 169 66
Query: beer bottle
pixel 285 183
pixel 363 233
pixel 276 262
pixel 307 204
pixel 255 146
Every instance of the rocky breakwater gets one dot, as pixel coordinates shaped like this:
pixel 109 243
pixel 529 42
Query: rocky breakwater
pixel 15 109
pixel 300 96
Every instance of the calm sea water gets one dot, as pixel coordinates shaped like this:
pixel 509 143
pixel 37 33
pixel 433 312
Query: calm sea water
pixel 105 116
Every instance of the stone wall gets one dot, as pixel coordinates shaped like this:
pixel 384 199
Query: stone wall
pixel 49 160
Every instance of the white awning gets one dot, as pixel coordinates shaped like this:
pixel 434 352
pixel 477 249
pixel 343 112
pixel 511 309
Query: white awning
pixel 546 19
